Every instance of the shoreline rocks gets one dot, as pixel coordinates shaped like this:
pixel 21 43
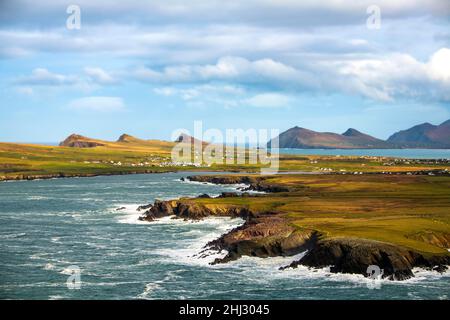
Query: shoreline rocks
pixel 269 234
pixel 254 183
pixel 355 255
pixel 264 236
pixel 186 209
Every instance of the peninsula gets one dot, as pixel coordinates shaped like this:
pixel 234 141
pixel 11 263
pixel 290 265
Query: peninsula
pixel 345 222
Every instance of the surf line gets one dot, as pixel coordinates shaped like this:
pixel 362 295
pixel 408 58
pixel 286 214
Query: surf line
pixel 191 310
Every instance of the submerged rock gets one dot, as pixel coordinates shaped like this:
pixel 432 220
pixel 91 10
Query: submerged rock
pixel 144 207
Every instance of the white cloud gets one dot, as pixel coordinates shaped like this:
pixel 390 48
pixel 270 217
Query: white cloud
pixel 394 76
pixel 386 78
pixel 199 91
pixel 232 69
pixel 27 91
pixel 227 96
pixel 165 91
pixel 101 104
pixel 268 100
pixel 205 95
pixel 41 76
pixel 99 75
pixel 91 80
pixel 439 65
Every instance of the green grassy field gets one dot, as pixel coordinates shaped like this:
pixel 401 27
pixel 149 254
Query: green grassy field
pixel 135 155
pixel 411 211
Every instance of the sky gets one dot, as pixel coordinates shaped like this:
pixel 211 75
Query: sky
pixel 148 68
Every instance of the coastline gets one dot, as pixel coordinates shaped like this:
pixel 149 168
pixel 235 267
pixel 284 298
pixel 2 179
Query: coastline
pixel 271 234
pixel 23 177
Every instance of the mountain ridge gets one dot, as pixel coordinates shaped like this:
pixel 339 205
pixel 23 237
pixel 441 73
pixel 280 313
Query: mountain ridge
pixel 425 135
pixel 302 138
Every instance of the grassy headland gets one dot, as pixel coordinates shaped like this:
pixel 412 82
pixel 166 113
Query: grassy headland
pixel 399 209
pixel 347 221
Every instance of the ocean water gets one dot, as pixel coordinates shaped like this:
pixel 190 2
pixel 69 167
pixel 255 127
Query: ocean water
pixel 396 153
pixel 49 226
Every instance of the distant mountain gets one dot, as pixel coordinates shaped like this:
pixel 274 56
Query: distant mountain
pixel 79 141
pixel 185 138
pixel 424 135
pixel 125 141
pixel 127 138
pixel 301 138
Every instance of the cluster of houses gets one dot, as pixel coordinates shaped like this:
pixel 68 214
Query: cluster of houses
pixel 148 164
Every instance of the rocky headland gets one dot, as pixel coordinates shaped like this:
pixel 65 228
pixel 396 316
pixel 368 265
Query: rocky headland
pixel 268 233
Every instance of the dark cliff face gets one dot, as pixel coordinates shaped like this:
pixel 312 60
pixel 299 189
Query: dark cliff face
pixel 266 235
pixel 356 255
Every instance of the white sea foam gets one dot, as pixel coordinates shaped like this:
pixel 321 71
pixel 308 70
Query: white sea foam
pixel 32 285
pixel 96 245
pixel 67 271
pixel 37 198
pixel 39 256
pixel 234 187
pixel 270 267
pixel 193 252
pixel 90 199
pixel 49 266
pixel 128 214
pixel 423 274
pixel 151 287
pixel 12 235
pixel 55 239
